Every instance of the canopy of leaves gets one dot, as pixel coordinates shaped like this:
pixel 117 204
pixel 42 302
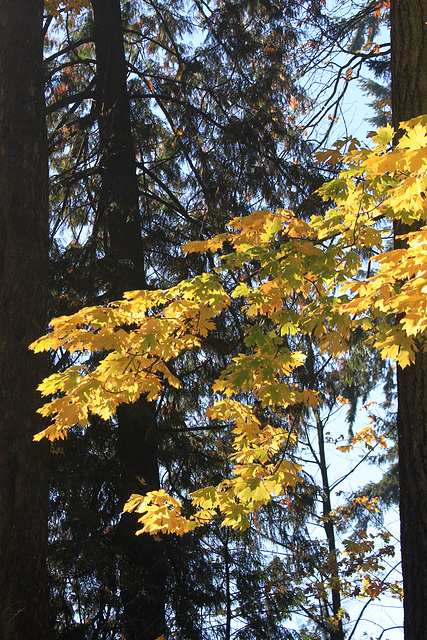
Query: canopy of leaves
pixel 306 278
pixel 215 102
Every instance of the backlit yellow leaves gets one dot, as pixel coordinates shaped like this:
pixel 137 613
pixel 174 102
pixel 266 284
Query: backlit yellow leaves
pixel 367 436
pixel 321 279
pixel 140 343
pixel 257 477
pixel 383 185
pixel 161 512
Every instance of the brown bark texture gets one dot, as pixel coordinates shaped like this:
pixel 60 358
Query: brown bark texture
pixel 142 580
pixel 409 99
pixel 23 269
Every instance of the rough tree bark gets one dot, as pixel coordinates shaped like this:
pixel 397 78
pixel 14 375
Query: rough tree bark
pixel 23 271
pixel 142 583
pixel 409 99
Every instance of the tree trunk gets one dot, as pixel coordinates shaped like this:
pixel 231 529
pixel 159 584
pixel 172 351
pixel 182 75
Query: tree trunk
pixel 23 295
pixel 409 99
pixel 329 527
pixel 142 578
pixel 119 201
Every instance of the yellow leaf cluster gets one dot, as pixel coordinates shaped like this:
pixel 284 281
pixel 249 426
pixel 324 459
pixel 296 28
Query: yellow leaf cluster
pixel 307 278
pixel 257 477
pixel 140 344
pixel 367 436
pixel 379 186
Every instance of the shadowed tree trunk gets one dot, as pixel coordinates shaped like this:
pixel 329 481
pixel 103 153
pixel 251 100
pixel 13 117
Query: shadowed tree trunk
pixel 141 578
pixel 409 99
pixel 23 269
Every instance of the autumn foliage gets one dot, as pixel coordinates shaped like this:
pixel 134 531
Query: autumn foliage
pixel 324 278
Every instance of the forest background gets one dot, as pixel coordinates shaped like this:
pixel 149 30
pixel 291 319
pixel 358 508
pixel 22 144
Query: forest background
pixel 156 140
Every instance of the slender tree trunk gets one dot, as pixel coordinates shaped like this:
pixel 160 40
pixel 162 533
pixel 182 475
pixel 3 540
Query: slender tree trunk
pixel 409 99
pixel 142 577
pixel 228 601
pixel 329 527
pixel 23 294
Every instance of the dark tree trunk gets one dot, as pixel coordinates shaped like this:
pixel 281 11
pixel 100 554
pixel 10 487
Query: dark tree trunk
pixel 23 269
pixel 408 59
pixel 142 577
pixel 119 202
pixel 409 99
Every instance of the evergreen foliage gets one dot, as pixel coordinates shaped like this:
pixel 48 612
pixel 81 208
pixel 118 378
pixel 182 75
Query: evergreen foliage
pixel 217 99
